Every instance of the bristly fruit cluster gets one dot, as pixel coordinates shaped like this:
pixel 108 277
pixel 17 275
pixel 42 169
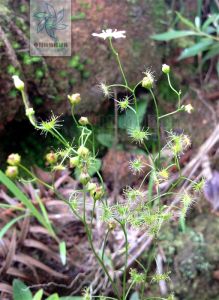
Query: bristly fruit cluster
pixel 142 206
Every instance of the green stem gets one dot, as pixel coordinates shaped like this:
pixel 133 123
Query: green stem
pixel 89 235
pixel 175 91
pixel 170 114
pixel 104 244
pixel 126 259
pixel 119 62
pixel 34 177
pixel 158 124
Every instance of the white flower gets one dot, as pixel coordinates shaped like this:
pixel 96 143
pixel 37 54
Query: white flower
pixel 19 84
pixel 188 108
pixel 109 33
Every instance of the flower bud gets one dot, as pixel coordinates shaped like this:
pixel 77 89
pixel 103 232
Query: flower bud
pixel 165 69
pixel 188 108
pixel 12 172
pixel 112 225
pixel 74 161
pixel 83 151
pixel 97 193
pixel 74 98
pixel 58 168
pixel 30 112
pixel 148 82
pixel 84 178
pixel 19 84
pixel 51 158
pixel 83 121
pixel 14 159
pixel 91 186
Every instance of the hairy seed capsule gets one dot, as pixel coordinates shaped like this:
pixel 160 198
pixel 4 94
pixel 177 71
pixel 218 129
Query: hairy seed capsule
pixel 12 172
pixel 84 178
pixel 51 158
pixel 83 151
pixel 165 69
pixel 74 98
pixel 97 193
pixel 74 161
pixel 14 159
pixel 91 186
pixel 83 121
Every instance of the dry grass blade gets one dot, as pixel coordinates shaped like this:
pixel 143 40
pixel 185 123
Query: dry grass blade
pixel 24 230
pixel 18 274
pixel 11 253
pixel 6 288
pixel 31 243
pixel 30 261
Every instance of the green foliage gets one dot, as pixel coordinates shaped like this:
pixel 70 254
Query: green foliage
pixel 78 16
pixel 80 65
pixel 205 37
pixel 139 208
pixel 22 292
pixel 62 251
pixel 25 201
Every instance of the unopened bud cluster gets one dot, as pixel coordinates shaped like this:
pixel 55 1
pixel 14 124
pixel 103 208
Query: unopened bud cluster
pixel 13 160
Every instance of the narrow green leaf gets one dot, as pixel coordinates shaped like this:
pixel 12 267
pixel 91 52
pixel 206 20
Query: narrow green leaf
pixel 38 295
pixel 45 215
pixel 210 19
pixel 172 34
pixel 185 21
pixel 72 298
pixel 217 67
pixel 22 197
pixel 214 51
pixel 53 297
pixel 197 22
pixel 135 296
pixel 21 291
pixel 62 252
pixel 9 225
pixel 196 49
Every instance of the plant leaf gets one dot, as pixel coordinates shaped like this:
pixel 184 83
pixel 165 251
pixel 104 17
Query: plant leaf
pixel 217 67
pixel 105 139
pixel 196 49
pixel 185 21
pixel 172 34
pixel 62 252
pixel 72 298
pixel 214 51
pixel 53 297
pixel 22 197
pixel 128 120
pixel 21 291
pixel 9 225
pixel 135 296
pixel 209 20
pixel 38 295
